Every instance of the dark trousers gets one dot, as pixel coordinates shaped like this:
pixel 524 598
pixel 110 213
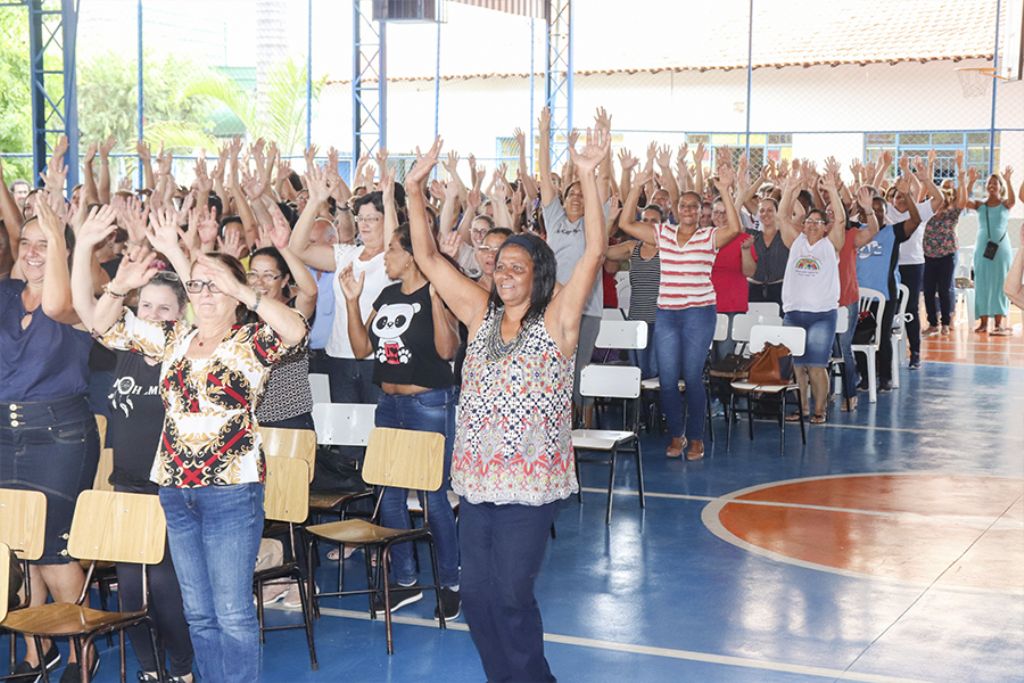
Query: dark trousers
pixel 913 277
pixel 502 550
pixel 938 284
pixel 164 606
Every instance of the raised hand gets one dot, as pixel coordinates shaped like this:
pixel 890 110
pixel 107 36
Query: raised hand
pixel 959 159
pixel 597 144
pixel 602 119
pixel 544 121
pixel 163 231
pixel 142 149
pixel 310 155
pixel 664 156
pixel 626 160
pixel 351 286
pixel 133 217
pixel 1007 173
pixel 98 226
pixel 222 277
pixel 725 177
pixel 520 137
pixel 279 232
pixel 49 220
pixel 107 147
pixel 382 162
pixel 318 185
pixel 203 184
pixel 205 225
pixel 449 243
pixel 425 162
pixel 232 244
pixel 864 198
pixel 452 164
pixel 90 153
pixel 698 154
pixel 137 268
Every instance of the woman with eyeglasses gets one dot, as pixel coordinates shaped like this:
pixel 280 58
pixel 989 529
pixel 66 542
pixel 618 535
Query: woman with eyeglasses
pixel 686 313
pixel 277 273
pixel 210 464
pixel 810 288
pixel 133 433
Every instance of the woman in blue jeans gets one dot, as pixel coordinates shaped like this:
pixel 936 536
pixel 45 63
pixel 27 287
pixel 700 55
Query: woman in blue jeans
pixel 810 287
pixel 410 337
pixel 209 465
pixel 686 304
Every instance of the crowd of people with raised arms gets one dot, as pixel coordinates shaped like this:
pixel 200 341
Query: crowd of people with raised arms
pixel 462 304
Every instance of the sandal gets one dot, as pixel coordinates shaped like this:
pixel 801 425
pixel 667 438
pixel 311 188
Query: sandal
pixel 1001 332
pixel 818 419
pixel 849 404
pixel 694 453
pixel 795 416
pixel 676 447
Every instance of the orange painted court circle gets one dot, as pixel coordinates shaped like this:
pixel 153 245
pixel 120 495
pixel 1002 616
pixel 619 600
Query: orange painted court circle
pixel 956 531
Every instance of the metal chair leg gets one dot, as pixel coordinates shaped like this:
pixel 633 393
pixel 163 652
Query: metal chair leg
pixel 437 582
pixel 40 652
pixel 611 483
pixel 307 619
pixel 640 471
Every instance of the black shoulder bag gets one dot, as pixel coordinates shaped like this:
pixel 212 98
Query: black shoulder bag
pixel 992 248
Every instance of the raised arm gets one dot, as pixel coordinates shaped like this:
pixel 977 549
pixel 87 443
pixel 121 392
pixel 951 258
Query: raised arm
pixel 724 179
pixel 97 228
pixel 566 308
pixel 627 219
pixel 525 172
pixel 10 213
pixel 867 216
pixel 830 184
pixel 56 299
pixel 1011 199
pixel 446 329
pixel 668 181
pixel 90 195
pixel 146 162
pixel 787 228
pixel 698 169
pixel 467 301
pixel 104 185
pixel 547 186
pixel 319 256
pixel 358 330
pixel 304 289
pixel 909 225
pixel 387 186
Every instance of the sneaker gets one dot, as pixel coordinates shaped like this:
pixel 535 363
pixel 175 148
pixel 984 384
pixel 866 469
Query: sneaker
pixel 451 604
pixel 863 384
pixel 293 598
pixel 885 386
pixel 274 592
pixel 26 673
pixel 931 331
pixel 151 677
pixel 915 361
pixel 400 597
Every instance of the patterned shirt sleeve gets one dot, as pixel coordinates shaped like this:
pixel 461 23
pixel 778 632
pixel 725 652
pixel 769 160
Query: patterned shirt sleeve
pixel 267 346
pixel 131 333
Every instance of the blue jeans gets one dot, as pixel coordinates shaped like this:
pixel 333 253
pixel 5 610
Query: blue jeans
pixel 647 359
pixel 429 411
pixel 821 336
pixel 851 377
pixel 214 533
pixel 502 551
pixel 683 342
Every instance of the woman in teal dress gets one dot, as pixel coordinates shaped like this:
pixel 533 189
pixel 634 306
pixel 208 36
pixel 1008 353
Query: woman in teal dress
pixel 989 273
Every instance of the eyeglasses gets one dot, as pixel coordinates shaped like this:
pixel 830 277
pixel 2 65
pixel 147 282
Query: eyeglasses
pixel 263 277
pixel 196 286
pixel 488 250
pixel 369 220
pixel 813 221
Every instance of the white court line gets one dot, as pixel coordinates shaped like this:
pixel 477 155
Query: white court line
pixel 670 653
pixel 710 518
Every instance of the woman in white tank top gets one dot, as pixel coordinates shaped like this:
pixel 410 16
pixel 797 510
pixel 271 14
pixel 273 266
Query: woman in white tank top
pixel 810 287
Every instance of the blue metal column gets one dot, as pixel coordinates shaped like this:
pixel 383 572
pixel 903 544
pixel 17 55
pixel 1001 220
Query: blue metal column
pixel 369 101
pixel 140 99
pixel 309 73
pixel 533 89
pixel 558 76
pixel 52 33
pixel 750 71
pixel 995 88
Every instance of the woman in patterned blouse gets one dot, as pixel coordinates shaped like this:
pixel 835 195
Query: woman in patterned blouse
pixel 209 463
pixel 513 460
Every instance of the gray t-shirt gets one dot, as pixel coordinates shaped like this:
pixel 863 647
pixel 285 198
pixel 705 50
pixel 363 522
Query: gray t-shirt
pixel 567 240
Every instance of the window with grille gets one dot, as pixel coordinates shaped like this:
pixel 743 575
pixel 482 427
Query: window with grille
pixel 946 144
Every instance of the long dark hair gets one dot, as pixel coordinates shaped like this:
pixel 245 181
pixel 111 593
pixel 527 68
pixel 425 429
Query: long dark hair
pixel 544 268
pixel 282 265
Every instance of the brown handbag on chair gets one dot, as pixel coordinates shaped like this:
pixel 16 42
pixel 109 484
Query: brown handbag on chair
pixel 772 365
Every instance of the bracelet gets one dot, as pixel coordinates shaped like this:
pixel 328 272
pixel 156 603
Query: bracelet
pixel 343 209
pixel 255 304
pixel 108 291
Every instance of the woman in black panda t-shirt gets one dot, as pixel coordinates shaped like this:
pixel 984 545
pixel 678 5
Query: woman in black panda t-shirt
pixel 411 336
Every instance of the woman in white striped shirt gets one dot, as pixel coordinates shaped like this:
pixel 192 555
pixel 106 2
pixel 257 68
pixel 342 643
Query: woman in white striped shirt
pixel 686 304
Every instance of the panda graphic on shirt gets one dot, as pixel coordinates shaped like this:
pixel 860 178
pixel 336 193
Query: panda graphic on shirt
pixel 391 322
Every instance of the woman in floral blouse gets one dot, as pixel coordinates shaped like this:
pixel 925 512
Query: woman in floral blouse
pixel 513 459
pixel 940 247
pixel 209 464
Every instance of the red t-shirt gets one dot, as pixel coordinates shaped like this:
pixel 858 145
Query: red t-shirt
pixel 849 292
pixel 731 292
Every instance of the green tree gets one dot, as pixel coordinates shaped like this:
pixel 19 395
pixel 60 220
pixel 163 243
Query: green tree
pixel 15 98
pixel 107 101
pixel 285 118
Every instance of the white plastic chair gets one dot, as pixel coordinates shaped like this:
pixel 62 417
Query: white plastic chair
pixel 899 333
pixel 612 314
pixel 621 334
pixel 867 297
pixel 836 361
pixel 320 387
pixel 721 328
pixel 741 326
pixel 343 424
pixel 965 263
pixel 765 312
pixel 795 339
pixel 619 382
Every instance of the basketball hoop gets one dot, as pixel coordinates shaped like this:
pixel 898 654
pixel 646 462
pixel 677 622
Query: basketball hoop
pixel 974 80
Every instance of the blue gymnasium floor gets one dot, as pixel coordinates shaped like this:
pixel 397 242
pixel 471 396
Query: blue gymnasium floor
pixel 659 597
